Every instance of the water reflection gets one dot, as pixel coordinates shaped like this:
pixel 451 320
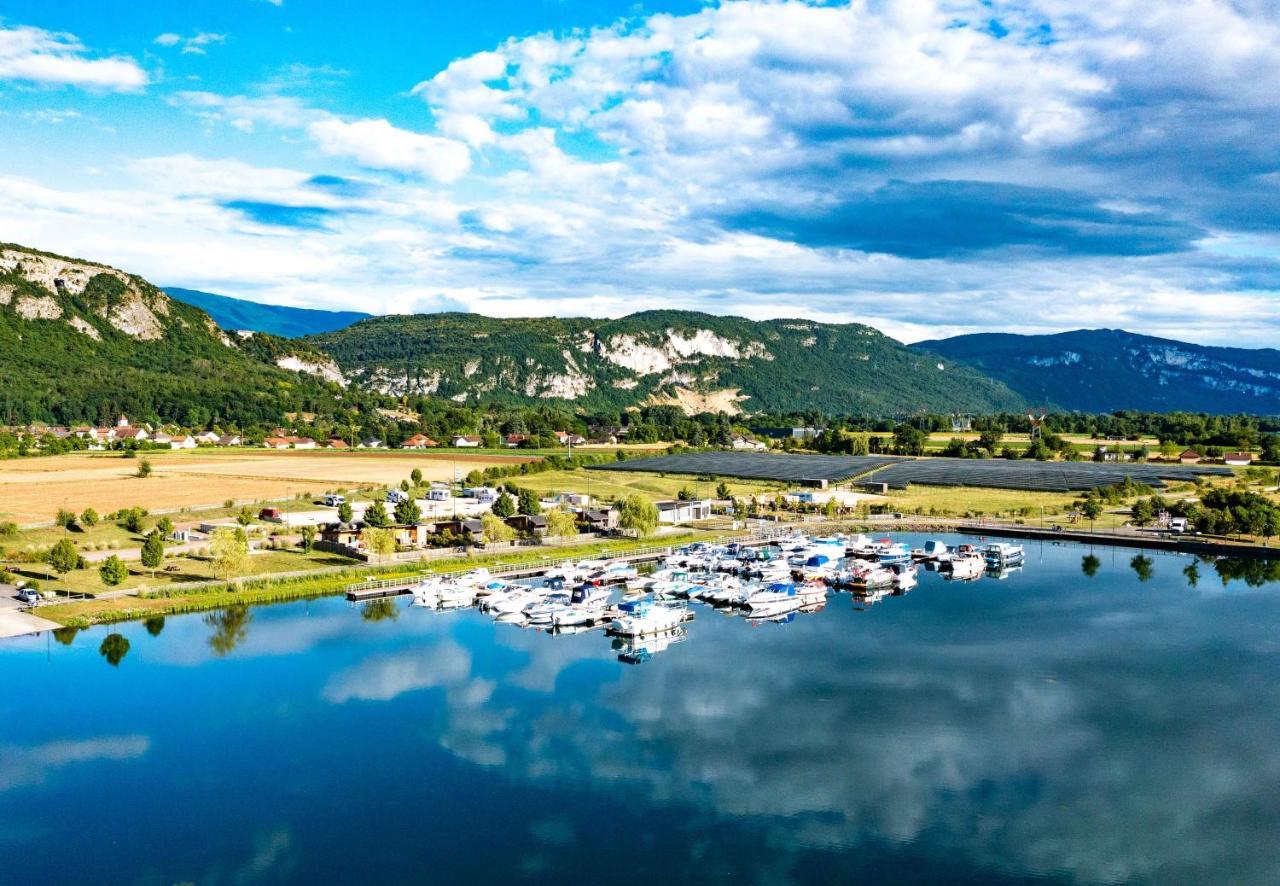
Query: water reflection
pixel 1142 566
pixel 154 625
pixel 384 609
pixel 114 648
pixel 1089 565
pixel 230 628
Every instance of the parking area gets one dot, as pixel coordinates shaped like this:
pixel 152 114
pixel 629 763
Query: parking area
pixel 15 620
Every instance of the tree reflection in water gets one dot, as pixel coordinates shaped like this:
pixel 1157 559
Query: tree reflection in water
pixel 1089 565
pixel 65 636
pixel 114 648
pixel 1143 567
pixel 154 625
pixel 380 610
pixel 230 627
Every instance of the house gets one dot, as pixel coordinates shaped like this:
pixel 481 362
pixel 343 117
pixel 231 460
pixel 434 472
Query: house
pixel 206 438
pixel 466 441
pixel 439 492
pixel 230 440
pixel 805 433
pixel 740 442
pixel 161 438
pixel 573 499
pixel 289 443
pixel 371 443
pixel 684 511
pixel 460 528
pixel 1238 459
pixel 182 442
pixel 418 441
pixel 337 443
pixel 598 519
pixel 535 524
pixel 514 440
pixel 413 535
pixel 564 438
pixel 346 534
pixel 1190 457
pixel 137 435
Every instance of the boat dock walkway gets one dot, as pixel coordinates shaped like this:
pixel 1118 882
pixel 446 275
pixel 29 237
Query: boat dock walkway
pixel 377 588
pixel 1132 539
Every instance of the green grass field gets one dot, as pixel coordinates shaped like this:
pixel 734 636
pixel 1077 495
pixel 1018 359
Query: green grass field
pixel 614 485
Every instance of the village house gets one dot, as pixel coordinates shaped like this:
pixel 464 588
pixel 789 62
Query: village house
pixel 345 534
pixel 337 443
pixel 182 442
pixel 206 438
pixel 230 440
pixel 136 435
pixel 597 519
pixel 746 443
pixel 289 443
pixel 535 524
pixel 514 440
pixel 1190 457
pixel 1238 459
pixel 418 441
pixel 564 438
pixel 684 511
pixel 466 441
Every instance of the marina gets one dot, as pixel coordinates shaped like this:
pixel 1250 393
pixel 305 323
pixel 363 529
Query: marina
pixel 854 736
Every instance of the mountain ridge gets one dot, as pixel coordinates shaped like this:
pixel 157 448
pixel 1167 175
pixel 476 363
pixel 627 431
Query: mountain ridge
pixel 1102 370
pixel 234 313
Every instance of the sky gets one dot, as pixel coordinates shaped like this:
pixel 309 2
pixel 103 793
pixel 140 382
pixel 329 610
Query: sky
pixel 928 167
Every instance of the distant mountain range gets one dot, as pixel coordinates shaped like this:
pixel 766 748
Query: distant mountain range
pixel 1101 370
pixel 80 341
pixel 236 313
pixel 698 362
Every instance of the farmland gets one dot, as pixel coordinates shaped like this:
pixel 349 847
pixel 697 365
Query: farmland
pixel 32 490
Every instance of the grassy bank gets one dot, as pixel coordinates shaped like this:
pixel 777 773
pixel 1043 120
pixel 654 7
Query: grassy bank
pixel 265 589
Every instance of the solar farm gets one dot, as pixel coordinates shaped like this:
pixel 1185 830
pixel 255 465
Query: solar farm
pixel 758 466
pixel 898 473
pixel 1034 476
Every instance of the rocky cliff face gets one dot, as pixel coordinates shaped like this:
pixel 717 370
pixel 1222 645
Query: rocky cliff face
pixel 690 360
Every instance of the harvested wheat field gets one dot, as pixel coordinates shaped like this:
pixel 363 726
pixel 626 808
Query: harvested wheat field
pixel 33 489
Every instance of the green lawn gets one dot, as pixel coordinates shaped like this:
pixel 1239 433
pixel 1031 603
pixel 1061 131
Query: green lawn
pixel 614 485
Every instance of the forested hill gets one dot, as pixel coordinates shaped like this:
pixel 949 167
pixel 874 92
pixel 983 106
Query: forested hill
pixel 698 361
pixel 82 342
pixel 287 322
pixel 1102 370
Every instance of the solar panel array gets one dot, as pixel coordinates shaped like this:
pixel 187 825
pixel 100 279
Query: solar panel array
pixel 1033 475
pixel 757 465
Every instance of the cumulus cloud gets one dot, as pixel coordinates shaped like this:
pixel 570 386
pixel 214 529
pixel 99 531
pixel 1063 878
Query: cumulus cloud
pixel 34 55
pixel 379 145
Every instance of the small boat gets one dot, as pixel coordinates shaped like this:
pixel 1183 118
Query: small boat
pixel 1002 554
pixel 543 611
pixel 427 592
pixel 778 598
pixel 894 553
pixel 934 550
pixel 641 618
pixel 905 575
pixel 966 567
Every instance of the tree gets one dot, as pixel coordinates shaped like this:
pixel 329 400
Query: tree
pixel 66 519
pixel 377 540
pixel 1089 565
pixel 113 571
pixel 144 468
pixel 114 648
pixel 684 494
pixel 416 476
pixel 908 440
pixel 64 557
pixel 408 513
pixel 561 523
pixel 529 504
pixel 1091 508
pixel 404 485
pixel 308 538
pixel 495 530
pixel 133 519
pixel 829 509
pixel 229 552
pixel 722 490
pixel 1143 511
pixel 153 551
pixel 245 517
pixel 89 518
pixel 165 526
pixel 504 506
pixel 345 513
pixel 376 515
pixel 638 514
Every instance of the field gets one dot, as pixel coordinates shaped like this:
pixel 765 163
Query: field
pixel 613 485
pixel 33 489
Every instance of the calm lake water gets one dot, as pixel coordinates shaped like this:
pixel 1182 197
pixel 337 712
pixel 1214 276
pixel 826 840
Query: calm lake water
pixel 1051 726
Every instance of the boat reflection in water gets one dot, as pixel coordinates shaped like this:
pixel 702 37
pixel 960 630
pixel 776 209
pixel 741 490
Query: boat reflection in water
pixel 637 650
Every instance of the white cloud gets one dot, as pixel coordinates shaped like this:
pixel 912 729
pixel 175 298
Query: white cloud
pixel 34 55
pixel 193 45
pixel 377 144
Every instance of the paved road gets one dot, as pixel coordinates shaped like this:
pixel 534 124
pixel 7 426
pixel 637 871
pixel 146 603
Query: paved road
pixel 13 621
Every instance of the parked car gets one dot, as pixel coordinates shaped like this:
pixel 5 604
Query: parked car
pixel 333 501
pixel 26 595
pixel 273 514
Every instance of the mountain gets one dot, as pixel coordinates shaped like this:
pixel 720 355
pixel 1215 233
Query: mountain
pixel 1101 370
pixel 697 361
pixel 81 342
pixel 237 313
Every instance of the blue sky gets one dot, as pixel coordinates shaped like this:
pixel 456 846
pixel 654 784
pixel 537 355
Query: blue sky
pixel 929 167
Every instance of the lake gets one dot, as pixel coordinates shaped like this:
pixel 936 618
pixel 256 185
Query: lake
pixel 1083 720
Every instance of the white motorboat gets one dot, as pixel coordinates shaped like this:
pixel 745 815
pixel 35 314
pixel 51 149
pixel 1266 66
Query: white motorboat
pixel 905 576
pixel 778 598
pixel 966 567
pixel 643 618
pixel 1002 554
